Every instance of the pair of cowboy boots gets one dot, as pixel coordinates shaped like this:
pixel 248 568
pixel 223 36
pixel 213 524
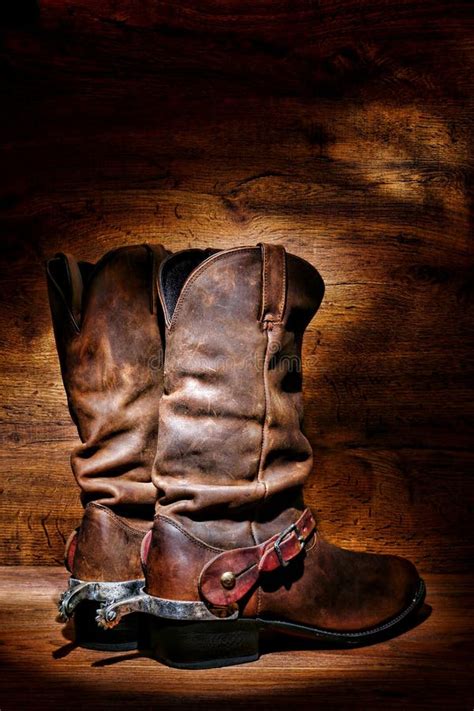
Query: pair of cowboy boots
pixel 183 375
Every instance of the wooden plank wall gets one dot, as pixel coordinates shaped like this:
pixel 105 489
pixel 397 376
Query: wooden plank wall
pixel 341 128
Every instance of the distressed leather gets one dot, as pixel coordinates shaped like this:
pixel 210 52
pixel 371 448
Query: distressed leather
pixel 107 330
pixel 232 457
pixel 226 443
pixel 107 546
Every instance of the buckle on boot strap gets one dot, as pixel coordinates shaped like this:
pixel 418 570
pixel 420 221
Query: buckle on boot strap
pixel 230 575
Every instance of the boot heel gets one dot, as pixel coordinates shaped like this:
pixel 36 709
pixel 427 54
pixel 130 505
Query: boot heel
pixel 200 645
pixel 87 634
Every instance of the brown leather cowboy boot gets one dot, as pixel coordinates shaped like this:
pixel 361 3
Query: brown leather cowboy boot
pixel 107 334
pixel 233 550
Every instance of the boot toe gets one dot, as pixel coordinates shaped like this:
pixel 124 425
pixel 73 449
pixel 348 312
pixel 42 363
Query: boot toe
pixel 362 591
pixel 405 583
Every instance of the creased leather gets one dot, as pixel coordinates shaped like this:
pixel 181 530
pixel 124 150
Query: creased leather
pixel 222 446
pixel 107 330
pixel 232 457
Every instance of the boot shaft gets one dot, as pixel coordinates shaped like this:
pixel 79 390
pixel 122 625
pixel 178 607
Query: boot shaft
pixel 231 449
pixel 109 344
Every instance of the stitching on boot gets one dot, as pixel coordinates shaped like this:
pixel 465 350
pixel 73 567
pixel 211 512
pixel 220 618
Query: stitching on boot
pixel 200 270
pixel 123 524
pixel 193 539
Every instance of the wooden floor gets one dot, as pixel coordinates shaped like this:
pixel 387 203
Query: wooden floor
pixel 429 667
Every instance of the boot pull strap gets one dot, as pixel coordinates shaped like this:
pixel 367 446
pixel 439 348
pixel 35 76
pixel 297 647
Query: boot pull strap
pixel 75 284
pixel 68 284
pixel 273 284
pixel 157 253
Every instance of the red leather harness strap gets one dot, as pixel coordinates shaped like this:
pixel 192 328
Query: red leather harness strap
pixel 230 575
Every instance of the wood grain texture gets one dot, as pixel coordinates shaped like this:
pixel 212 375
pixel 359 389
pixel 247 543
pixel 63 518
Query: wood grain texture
pixel 429 667
pixel 341 128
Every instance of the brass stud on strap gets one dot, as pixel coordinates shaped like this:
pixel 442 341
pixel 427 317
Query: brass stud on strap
pixel 228 580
